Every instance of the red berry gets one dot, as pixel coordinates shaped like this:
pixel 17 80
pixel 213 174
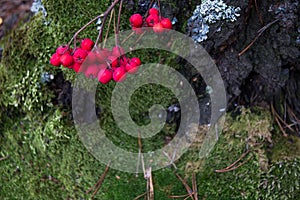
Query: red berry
pixel 105 75
pixel 166 23
pixel 158 28
pixel 117 51
pixel 136 20
pixel 55 60
pixel 113 61
pixel 63 49
pixel 131 68
pixel 119 74
pixel 136 60
pixel 152 20
pixel 92 71
pixel 79 55
pixel 87 44
pixel 153 11
pixel 66 60
pixel 76 67
pixel 124 60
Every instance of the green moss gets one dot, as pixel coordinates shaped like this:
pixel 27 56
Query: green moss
pixel 285 148
pixel 47 160
pixel 241 183
pixel 281 181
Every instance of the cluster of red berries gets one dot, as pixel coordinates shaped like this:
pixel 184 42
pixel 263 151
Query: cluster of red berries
pixel 103 64
pixel 158 23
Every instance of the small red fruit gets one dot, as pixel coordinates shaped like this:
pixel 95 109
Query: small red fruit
pixel 87 44
pixel 55 60
pixel 124 60
pixel 80 55
pixel 105 75
pixel 158 28
pixel 119 74
pixel 131 68
pixel 166 23
pixel 136 60
pixel 113 61
pixel 63 49
pixel 66 60
pixel 92 71
pixel 76 67
pixel 136 20
pixel 152 20
pixel 153 11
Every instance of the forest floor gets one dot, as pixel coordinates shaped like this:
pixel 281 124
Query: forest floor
pixel 42 157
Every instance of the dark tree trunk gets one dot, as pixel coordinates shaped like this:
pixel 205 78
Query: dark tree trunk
pixel 258 55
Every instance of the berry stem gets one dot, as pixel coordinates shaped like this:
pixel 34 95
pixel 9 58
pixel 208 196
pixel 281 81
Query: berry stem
pixel 158 3
pixel 117 29
pixel 82 28
pixel 119 16
pixel 105 14
pixel 150 6
pixel 109 23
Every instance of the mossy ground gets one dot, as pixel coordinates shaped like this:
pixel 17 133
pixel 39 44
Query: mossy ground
pixel 46 159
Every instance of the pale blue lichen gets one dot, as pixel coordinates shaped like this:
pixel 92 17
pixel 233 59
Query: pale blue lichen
pixel 46 77
pixel 36 7
pixel 209 12
pixel 99 24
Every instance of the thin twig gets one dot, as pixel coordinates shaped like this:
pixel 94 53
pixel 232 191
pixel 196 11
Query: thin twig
pixel 280 127
pixel 140 150
pixel 293 115
pixel 172 163
pixel 277 118
pixel 119 17
pixel 186 198
pixel 4 158
pixel 82 28
pixel 179 196
pixel 150 188
pixel 105 14
pixel 138 197
pixel 233 168
pixel 139 155
pixel 99 182
pixel 136 42
pixel 240 158
pixel 129 36
pixel 150 5
pixel 194 185
pixel 235 162
pixel 107 32
pixel 260 32
pixel 259 15
pixel 187 187
pixel 158 4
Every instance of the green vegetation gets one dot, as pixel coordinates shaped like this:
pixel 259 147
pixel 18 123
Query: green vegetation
pixel 46 159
